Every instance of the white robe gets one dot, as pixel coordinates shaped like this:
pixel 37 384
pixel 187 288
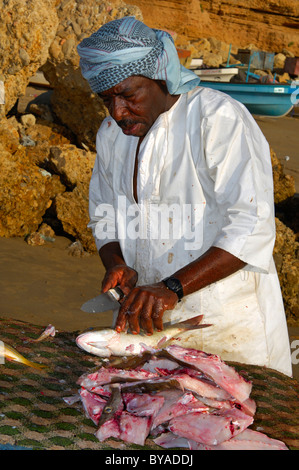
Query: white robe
pixel 204 179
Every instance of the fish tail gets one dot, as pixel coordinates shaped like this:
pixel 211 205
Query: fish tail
pixel 12 355
pixel 34 364
pixel 189 324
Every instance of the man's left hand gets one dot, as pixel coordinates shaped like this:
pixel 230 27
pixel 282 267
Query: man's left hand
pixel 144 307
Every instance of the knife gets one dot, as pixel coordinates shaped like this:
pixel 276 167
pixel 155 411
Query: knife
pixel 103 302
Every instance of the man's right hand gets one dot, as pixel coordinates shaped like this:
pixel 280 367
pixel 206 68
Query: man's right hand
pixel 122 276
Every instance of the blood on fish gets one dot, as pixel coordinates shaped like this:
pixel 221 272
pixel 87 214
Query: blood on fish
pixel 184 397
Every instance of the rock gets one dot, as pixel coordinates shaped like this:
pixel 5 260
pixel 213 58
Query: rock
pixel 35 239
pixel 42 110
pixel 270 25
pixel 76 249
pixel 45 134
pixel 201 46
pixel 279 60
pixel 212 60
pixel 74 165
pixel 46 232
pixel 28 120
pixel 25 191
pixel 284 185
pixel 72 210
pixel 283 78
pixel 219 47
pixel 25 194
pixel 286 256
pixel 27 30
pixel 287 53
pixel 72 100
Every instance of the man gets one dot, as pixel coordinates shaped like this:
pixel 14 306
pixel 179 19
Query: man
pixel 181 200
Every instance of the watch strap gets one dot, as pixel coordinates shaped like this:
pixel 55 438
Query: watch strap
pixel 173 284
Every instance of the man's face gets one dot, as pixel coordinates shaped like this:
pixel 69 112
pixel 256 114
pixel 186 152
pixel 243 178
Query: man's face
pixel 136 103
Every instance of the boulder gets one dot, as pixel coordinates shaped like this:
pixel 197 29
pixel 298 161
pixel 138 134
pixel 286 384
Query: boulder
pixel 284 185
pixel 72 100
pixel 286 256
pixel 26 191
pixel 279 60
pixel 45 134
pixel 74 165
pixel 26 32
pixel 72 210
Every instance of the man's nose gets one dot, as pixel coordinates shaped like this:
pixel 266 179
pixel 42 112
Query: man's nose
pixel 118 109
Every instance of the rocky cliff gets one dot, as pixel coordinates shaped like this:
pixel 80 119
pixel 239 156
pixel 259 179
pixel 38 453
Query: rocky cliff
pixel 269 24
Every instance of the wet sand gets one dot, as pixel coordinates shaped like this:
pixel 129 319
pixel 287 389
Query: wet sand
pixel 44 284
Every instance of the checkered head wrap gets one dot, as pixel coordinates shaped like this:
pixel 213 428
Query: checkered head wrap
pixel 126 47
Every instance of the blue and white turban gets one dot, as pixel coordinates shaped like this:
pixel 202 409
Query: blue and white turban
pixel 126 47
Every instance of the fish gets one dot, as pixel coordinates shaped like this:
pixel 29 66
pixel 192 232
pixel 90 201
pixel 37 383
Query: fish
pixel 113 405
pixel 246 440
pixel 12 354
pixel 180 397
pixel 93 405
pixel 108 342
pixel 210 428
pixel 49 331
pixel 214 367
pixel 117 422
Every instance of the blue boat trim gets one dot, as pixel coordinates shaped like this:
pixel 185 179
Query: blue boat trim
pixel 261 99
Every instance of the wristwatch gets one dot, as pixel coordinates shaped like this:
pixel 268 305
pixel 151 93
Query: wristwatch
pixel 175 285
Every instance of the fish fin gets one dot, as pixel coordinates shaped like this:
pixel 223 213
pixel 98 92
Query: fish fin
pixel 163 341
pixel 189 324
pixel 35 365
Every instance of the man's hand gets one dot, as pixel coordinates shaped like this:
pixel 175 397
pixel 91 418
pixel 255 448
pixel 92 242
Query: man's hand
pixel 122 276
pixel 144 307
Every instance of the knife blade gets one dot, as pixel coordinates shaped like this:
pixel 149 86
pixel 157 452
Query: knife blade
pixel 101 303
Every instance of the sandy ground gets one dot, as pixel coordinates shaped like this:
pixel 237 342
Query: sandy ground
pixel 44 284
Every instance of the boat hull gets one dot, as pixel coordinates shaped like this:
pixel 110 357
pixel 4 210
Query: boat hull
pixel 216 75
pixel 264 100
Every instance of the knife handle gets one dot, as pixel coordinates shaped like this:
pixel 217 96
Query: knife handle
pixel 116 293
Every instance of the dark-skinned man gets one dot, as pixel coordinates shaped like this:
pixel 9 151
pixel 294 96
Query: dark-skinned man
pixel 181 200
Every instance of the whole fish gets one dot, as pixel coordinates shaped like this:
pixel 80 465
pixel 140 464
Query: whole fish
pixel 108 342
pixel 49 331
pixel 12 355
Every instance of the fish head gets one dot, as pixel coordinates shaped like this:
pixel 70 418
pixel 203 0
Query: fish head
pixel 98 342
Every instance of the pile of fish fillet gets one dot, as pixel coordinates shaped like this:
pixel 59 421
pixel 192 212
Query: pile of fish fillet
pixel 179 397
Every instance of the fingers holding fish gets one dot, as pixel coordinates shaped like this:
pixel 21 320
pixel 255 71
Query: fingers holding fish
pixel 144 308
pixel 129 312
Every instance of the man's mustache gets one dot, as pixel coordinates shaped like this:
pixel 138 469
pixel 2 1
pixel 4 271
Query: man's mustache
pixel 126 123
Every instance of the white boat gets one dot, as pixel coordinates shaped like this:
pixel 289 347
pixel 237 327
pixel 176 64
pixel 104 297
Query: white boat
pixel 195 63
pixel 216 75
